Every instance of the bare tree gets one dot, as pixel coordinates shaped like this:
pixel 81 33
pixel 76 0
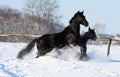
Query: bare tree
pixel 99 28
pixel 12 21
pixel 43 8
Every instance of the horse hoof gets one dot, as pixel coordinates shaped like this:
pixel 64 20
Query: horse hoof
pixel 81 58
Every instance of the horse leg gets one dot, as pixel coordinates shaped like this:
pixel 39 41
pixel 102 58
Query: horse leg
pixel 81 49
pixel 84 53
pixel 39 53
pixel 43 52
pixel 84 49
pixel 81 53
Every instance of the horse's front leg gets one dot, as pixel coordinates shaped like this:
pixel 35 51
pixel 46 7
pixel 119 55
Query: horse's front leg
pixel 81 49
pixel 81 52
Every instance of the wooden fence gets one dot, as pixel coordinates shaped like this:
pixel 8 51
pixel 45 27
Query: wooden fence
pixel 109 40
pixel 26 35
pixel 17 37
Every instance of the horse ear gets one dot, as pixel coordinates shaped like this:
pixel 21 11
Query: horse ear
pixel 82 12
pixel 78 11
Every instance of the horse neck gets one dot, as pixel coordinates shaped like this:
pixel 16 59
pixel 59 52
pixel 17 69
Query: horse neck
pixel 84 38
pixel 75 27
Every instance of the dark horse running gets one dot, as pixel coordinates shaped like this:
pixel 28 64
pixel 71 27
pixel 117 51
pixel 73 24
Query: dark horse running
pixel 68 36
pixel 89 35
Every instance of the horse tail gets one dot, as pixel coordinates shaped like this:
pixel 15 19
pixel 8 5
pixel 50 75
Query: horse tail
pixel 27 49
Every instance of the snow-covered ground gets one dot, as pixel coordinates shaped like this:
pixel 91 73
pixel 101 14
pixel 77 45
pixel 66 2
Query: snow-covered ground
pixel 59 63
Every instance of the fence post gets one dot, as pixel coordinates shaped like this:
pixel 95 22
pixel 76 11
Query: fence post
pixel 109 44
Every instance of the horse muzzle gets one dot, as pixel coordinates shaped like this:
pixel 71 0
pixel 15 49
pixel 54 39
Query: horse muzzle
pixel 95 38
pixel 86 24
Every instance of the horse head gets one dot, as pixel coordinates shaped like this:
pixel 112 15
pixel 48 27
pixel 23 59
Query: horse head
pixel 79 18
pixel 91 34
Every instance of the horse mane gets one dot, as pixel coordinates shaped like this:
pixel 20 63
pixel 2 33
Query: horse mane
pixel 74 17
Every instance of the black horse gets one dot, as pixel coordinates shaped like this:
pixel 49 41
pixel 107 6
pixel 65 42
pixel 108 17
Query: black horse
pixel 89 35
pixel 68 36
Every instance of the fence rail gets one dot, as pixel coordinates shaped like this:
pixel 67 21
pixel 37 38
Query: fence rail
pixel 17 37
pixel 109 40
pixel 26 35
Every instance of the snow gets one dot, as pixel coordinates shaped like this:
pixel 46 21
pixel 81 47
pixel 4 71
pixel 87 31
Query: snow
pixel 59 62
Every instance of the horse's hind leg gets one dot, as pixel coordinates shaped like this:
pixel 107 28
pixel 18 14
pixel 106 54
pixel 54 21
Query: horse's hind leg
pixel 43 52
pixel 37 54
pixel 40 53
pixel 40 49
